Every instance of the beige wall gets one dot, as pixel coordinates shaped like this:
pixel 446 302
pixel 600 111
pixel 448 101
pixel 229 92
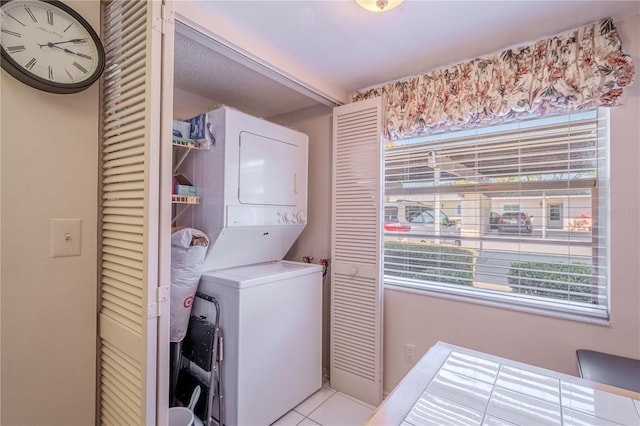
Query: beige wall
pixel 315 240
pixel 48 307
pixel 543 341
pixel 187 105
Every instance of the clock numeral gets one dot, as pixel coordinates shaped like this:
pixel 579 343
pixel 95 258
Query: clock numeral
pixel 50 73
pixel 13 33
pixel 15 49
pixel 82 55
pixel 49 17
pixel 69 74
pixel 65 30
pixel 80 67
pixel 31 63
pixel 15 19
pixel 33 17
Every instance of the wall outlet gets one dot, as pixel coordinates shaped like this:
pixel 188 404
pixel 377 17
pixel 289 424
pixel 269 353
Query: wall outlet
pixel 409 353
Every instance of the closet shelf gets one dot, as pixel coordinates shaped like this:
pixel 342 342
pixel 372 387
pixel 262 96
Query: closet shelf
pixel 186 143
pixel 184 199
pixel 182 149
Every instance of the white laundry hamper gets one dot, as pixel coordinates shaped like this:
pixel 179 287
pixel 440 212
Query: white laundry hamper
pixel 188 250
pixel 180 416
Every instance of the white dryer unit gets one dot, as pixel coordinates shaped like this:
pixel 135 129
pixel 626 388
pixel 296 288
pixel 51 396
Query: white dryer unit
pixel 252 185
pixel 271 317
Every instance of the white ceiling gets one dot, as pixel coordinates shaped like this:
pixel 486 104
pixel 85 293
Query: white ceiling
pixel 349 48
pixel 201 68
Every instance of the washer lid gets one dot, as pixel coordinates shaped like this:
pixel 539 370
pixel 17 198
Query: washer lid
pixel 261 273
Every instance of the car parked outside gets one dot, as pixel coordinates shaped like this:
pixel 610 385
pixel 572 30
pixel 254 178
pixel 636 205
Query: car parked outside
pixel 415 220
pixel 494 218
pixel 396 227
pixel 515 222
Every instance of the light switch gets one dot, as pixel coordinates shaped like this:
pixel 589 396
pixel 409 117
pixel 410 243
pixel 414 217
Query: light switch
pixel 66 235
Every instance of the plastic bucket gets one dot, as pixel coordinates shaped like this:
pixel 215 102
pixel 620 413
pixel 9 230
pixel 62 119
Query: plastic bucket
pixel 180 416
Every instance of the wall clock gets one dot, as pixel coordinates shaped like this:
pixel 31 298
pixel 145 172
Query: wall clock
pixel 49 46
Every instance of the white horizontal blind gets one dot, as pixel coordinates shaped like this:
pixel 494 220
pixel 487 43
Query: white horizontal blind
pixel 356 278
pixel 520 210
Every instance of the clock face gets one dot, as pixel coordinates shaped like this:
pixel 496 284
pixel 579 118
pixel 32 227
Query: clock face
pixel 49 46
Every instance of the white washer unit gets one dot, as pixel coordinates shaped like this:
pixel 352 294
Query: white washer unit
pixel 271 318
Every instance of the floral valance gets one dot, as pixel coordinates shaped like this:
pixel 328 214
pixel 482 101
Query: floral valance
pixel 572 71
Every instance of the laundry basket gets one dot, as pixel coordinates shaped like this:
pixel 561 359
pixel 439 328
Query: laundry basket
pixel 188 250
pixel 180 416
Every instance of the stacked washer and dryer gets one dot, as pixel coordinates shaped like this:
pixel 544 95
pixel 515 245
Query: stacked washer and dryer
pixel 252 185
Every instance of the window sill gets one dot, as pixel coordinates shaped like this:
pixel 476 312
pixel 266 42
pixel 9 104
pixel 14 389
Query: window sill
pixel 536 307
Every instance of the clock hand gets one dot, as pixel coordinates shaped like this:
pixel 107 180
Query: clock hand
pixel 72 52
pixel 74 40
pixel 51 44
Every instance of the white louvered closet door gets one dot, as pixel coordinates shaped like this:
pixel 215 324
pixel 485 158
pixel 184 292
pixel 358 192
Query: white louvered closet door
pixel 356 278
pixel 133 305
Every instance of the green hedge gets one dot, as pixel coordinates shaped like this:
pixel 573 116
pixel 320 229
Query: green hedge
pixel 540 277
pixel 429 262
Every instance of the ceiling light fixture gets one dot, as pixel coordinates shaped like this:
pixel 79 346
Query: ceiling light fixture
pixel 378 5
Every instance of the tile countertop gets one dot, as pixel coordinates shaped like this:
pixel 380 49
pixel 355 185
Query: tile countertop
pixel 451 385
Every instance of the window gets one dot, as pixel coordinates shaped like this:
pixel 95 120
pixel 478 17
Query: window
pixel 390 214
pixel 528 199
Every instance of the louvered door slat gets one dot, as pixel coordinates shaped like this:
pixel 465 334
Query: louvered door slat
pixel 115 17
pixel 125 85
pixel 130 153
pixel 128 41
pixel 126 170
pixel 117 293
pixel 126 125
pixel 118 119
pixel 139 220
pixel 122 203
pixel 130 21
pixel 125 281
pixel 114 107
pixel 123 236
pixel 356 300
pixel 115 287
pixel 121 228
pixel 130 138
pixel 123 195
pixel 125 253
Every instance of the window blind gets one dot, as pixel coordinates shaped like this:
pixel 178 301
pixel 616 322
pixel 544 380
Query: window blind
pixel 521 214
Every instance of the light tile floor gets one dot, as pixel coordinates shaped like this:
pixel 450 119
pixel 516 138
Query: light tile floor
pixel 327 407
